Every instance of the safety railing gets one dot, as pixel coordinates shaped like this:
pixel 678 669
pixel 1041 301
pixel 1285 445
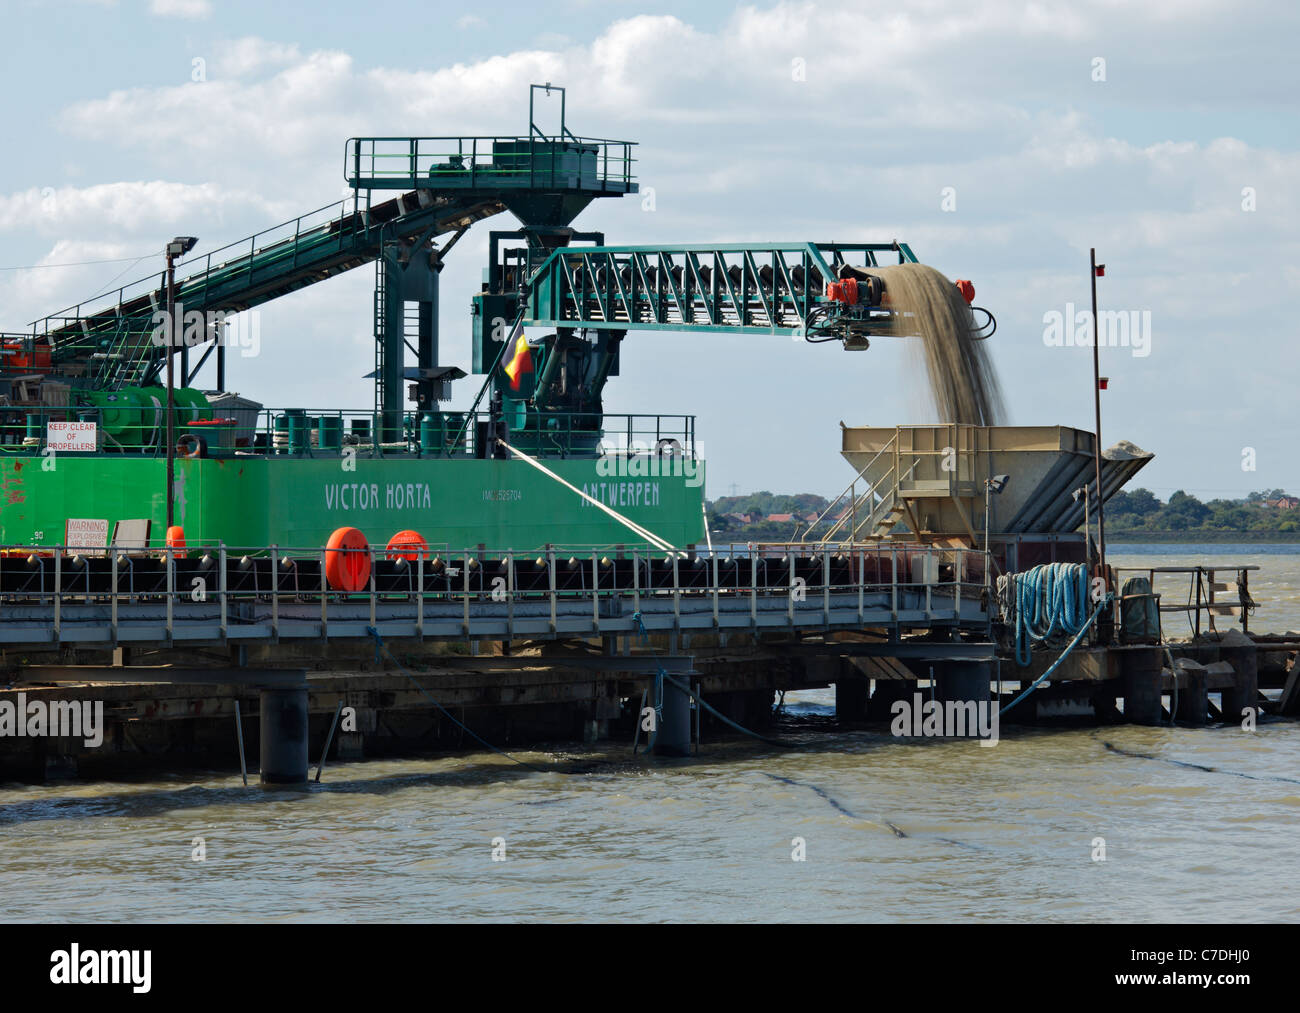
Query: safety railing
pixel 845 527
pixel 1206 594
pixel 129 423
pixel 21 355
pixel 213 590
pixel 490 162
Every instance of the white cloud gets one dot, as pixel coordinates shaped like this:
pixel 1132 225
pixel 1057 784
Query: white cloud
pixel 994 100
pixel 242 57
pixel 52 286
pixel 133 207
pixel 81 231
pixel 181 8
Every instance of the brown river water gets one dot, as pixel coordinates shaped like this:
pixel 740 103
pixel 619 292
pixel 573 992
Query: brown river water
pixel 1008 833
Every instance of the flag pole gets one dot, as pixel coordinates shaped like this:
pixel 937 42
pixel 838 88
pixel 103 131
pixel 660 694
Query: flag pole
pixel 1096 394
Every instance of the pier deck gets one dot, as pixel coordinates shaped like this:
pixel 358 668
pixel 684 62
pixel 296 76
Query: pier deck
pixel 557 649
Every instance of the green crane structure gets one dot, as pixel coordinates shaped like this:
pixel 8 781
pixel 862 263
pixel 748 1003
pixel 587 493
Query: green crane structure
pixel 544 276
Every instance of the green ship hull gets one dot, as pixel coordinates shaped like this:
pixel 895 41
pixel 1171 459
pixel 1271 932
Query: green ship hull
pixel 297 502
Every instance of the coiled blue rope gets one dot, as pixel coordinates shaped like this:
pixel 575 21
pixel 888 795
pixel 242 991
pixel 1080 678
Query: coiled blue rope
pixel 1050 599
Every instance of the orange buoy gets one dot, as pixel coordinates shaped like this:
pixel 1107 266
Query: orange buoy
pixel 409 545
pixel 347 560
pixel 175 537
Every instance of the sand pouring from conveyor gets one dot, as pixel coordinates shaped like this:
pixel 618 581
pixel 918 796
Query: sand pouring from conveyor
pixel 869 304
pixel 913 300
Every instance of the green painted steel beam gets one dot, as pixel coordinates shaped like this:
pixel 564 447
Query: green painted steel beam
pixel 623 325
pixel 783 247
pixel 725 288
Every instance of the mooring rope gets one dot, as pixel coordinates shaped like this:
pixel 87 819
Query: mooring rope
pixel 649 536
pixel 837 805
pixel 1198 766
pixel 1173 672
pixel 381 646
pixel 663 676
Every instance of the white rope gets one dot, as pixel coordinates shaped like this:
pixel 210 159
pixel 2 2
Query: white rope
pixel 653 539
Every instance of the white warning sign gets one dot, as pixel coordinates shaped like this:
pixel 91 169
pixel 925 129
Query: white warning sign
pixel 71 437
pixel 85 534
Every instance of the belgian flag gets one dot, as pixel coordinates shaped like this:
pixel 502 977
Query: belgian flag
pixel 521 362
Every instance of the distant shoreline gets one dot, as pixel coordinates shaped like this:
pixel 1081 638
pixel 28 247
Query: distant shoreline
pixel 773 533
pixel 1199 537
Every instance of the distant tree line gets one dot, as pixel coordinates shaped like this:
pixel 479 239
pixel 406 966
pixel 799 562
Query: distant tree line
pixel 1271 511
pixel 749 518
pixel 765 503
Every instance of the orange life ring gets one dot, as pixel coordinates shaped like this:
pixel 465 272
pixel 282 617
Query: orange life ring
pixel 347 560
pixel 409 545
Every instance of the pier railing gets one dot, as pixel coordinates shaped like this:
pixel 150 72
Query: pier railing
pixel 62 595
pixel 1208 594
pixel 490 163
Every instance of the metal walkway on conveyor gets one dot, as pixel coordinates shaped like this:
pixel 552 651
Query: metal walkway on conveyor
pixel 111 342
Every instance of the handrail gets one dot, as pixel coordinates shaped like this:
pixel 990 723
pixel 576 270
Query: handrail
pixel 265 430
pixel 893 493
pixel 870 517
pixel 74 312
pixel 487 160
pixel 1205 598
pixel 812 524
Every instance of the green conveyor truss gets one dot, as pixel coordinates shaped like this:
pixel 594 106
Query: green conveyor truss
pixel 112 344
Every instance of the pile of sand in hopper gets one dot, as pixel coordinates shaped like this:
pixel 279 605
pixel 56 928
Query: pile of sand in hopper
pixel 962 379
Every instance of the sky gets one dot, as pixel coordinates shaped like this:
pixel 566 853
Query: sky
pixel 1000 140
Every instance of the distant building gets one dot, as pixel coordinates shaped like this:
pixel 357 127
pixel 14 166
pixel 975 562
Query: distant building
pixel 780 518
pixel 1285 503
